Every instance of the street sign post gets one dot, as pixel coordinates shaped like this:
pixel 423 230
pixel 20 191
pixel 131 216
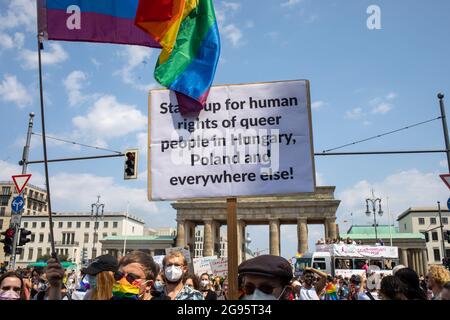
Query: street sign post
pixel 15 219
pixel 21 180
pixel 446 179
pixel 17 204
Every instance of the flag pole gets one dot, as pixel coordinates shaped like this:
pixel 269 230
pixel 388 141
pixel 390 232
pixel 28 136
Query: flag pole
pixel 44 140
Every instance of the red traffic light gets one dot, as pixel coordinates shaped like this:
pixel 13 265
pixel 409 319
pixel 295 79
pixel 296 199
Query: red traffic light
pixel 9 233
pixel 130 155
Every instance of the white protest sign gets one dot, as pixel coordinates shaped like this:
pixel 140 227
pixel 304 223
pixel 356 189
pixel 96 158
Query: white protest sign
pixel 186 253
pixel 202 265
pixel 219 267
pixel 159 260
pixel 251 139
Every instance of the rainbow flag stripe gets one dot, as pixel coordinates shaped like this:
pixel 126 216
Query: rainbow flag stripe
pixel 190 49
pixel 108 21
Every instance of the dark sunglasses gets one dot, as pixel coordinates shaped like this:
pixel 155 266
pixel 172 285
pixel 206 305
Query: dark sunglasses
pixel 131 277
pixel 249 288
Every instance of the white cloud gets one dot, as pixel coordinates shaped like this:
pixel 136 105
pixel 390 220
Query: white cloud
pixel 367 123
pixel 233 34
pixel 109 119
pixel 382 108
pixel 231 5
pixel 230 31
pixel 320 181
pixel 11 90
pixel 73 84
pixel 382 105
pixel 10 42
pixel 135 56
pixel 354 114
pixel 7 170
pixel 391 96
pixel 443 164
pixel 411 188
pixel 54 55
pixel 76 192
pixel 290 3
pixel 96 63
pixel 318 104
pixel 19 13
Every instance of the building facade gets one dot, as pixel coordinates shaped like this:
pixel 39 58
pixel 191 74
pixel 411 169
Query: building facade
pixel 198 245
pixel 74 234
pixel 154 245
pixel 299 209
pixel 35 204
pixel 425 220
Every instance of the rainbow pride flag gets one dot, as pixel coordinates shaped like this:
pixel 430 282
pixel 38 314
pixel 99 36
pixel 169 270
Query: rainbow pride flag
pixel 331 292
pixel 190 49
pixel 109 21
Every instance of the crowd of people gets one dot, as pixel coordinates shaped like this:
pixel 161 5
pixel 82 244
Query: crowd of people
pixel 347 240
pixel 136 276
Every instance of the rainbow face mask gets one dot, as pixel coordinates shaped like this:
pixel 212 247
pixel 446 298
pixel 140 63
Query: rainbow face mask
pixel 123 290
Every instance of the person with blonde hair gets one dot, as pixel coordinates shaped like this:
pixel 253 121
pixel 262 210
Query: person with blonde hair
pixel 100 275
pixel 436 278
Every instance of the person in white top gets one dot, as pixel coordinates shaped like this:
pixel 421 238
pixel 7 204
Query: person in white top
pixel 311 288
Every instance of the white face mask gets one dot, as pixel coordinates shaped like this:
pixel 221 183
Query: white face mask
pixel 259 295
pixel 204 283
pixel 173 273
pixel 9 295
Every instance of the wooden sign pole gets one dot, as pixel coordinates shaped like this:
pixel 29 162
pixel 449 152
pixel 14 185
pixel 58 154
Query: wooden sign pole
pixel 233 290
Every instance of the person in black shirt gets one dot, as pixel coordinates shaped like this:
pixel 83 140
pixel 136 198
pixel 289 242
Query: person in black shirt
pixel 206 288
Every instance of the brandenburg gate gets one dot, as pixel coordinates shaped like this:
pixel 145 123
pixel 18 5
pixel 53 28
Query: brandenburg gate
pixel 300 209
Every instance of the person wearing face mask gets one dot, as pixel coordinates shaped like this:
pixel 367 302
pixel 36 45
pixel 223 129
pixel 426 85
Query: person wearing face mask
pixel 206 288
pixel 11 286
pixel 157 291
pixel 135 277
pixel 175 270
pixel 53 289
pixel 192 281
pixel 266 277
pixel 311 288
pixel 100 276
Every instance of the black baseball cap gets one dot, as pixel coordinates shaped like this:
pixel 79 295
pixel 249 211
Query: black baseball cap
pixel 102 263
pixel 268 266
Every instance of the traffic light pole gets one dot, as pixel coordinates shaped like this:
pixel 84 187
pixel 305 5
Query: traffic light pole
pixel 23 162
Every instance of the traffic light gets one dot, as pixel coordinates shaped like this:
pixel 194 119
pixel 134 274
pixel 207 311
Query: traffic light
pixel 447 235
pixel 131 160
pixel 8 241
pixel 23 238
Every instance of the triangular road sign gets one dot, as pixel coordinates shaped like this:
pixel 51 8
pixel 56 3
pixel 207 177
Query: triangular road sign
pixel 446 179
pixel 21 180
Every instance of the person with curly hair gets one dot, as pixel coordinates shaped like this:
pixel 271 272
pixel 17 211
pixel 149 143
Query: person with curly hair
pixel 436 278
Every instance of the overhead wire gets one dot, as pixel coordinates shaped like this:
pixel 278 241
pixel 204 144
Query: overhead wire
pixel 77 143
pixel 382 134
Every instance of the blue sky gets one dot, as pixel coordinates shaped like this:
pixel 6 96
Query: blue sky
pixel 363 82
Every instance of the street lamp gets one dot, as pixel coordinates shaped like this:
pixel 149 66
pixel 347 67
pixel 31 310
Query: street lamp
pixel 374 201
pixel 248 240
pixel 95 216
